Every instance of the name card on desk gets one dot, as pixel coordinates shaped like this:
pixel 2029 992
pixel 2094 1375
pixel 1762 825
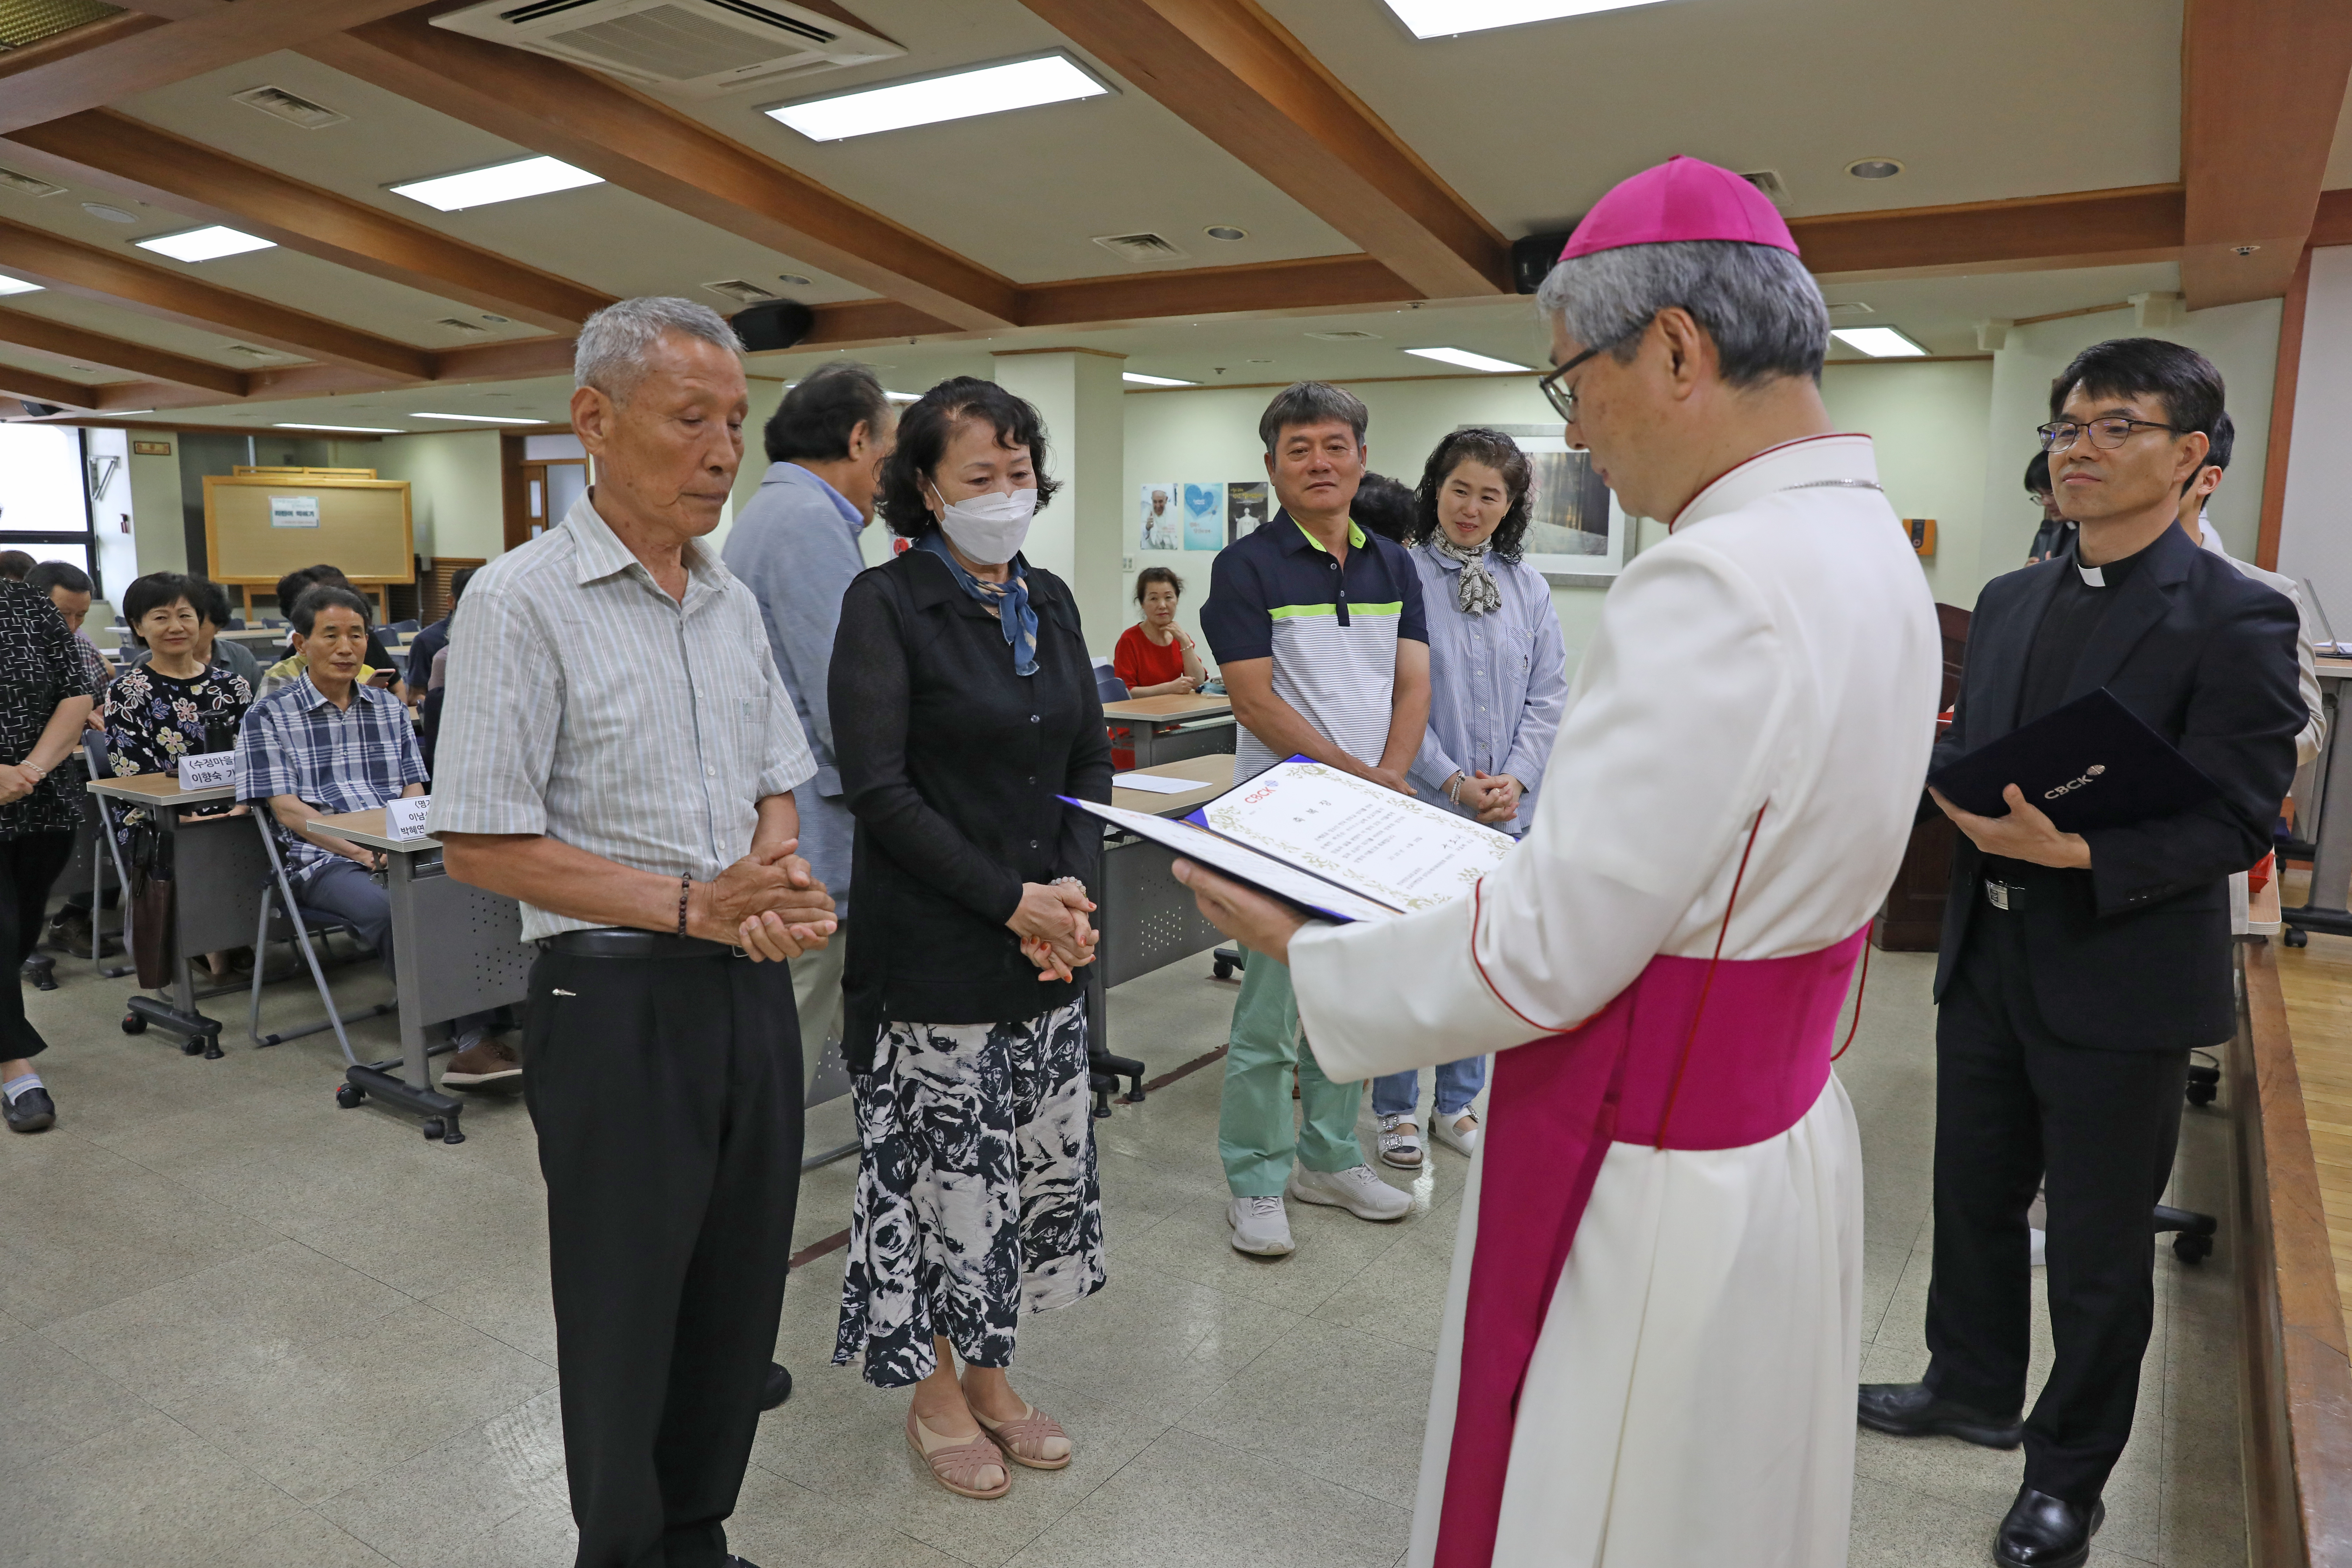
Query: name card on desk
pixel 404 818
pixel 208 770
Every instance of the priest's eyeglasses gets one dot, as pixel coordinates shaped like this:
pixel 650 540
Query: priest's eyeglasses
pixel 2107 434
pixel 1559 393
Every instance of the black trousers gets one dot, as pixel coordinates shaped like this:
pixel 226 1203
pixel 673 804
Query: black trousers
pixel 666 1095
pixel 2017 1106
pixel 30 865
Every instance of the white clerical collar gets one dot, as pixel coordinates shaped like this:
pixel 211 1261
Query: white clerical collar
pixel 1813 460
pixel 2092 576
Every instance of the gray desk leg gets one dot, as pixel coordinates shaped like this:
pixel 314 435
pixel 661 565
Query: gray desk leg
pixel 2331 867
pixel 413 1089
pixel 1141 734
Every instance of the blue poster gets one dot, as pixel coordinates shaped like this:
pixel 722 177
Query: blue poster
pixel 1204 517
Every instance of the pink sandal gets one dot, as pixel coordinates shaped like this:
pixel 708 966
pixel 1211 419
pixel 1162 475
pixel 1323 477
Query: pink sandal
pixel 959 1466
pixel 1029 1439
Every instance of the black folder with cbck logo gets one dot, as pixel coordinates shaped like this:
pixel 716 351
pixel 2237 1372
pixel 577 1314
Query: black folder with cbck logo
pixel 2092 764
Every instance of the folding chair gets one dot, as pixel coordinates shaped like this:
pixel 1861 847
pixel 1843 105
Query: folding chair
pixel 295 927
pixel 96 745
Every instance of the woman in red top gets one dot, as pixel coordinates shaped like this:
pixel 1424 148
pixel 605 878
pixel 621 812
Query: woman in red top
pixel 1154 657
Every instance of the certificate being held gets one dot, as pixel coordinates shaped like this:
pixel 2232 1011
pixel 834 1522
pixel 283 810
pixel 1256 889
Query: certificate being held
pixel 1329 842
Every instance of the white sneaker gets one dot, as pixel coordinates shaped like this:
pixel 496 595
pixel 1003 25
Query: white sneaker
pixel 1355 1189
pixel 1261 1225
pixel 1463 1141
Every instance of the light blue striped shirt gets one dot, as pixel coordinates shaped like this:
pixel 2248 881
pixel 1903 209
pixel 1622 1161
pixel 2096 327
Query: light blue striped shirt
pixel 1497 682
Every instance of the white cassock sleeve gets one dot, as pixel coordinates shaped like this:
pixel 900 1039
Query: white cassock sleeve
pixel 1661 761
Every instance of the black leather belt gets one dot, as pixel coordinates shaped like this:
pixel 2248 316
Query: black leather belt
pixel 620 941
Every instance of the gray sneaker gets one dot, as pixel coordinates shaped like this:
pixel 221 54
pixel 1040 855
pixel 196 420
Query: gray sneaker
pixel 1260 1225
pixel 1355 1189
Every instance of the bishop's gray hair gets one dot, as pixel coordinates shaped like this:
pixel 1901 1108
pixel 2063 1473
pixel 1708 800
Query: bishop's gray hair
pixel 615 344
pixel 1757 302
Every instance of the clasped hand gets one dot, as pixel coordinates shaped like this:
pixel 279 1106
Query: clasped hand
pixel 1491 797
pixel 1055 934
pixel 16 782
pixel 769 903
pixel 2025 834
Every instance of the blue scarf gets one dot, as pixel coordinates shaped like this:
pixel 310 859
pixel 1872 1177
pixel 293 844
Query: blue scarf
pixel 1011 599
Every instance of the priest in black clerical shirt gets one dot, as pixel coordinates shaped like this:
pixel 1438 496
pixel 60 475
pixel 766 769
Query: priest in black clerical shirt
pixel 2078 970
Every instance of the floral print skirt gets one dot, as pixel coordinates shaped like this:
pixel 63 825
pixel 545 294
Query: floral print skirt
pixel 977 1199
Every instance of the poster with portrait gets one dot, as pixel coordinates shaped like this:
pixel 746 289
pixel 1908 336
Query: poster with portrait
pixel 1575 527
pixel 1246 506
pixel 1204 516
pixel 1160 521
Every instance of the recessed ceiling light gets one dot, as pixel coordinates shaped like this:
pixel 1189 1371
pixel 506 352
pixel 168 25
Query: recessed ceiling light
pixel 795 279
pixel 1443 18
pixel 1141 380
pixel 1874 168
pixel 480 418
pixel 904 397
pixel 498 183
pixel 111 215
pixel 1467 359
pixel 205 244
pixel 1878 343
pixel 17 286
pixel 341 429
pixel 1225 231
pixel 928 101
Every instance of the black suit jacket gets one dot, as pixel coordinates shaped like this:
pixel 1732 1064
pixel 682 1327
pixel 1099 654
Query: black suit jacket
pixel 2134 953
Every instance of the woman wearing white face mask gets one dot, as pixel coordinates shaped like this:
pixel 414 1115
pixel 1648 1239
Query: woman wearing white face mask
pixel 964 703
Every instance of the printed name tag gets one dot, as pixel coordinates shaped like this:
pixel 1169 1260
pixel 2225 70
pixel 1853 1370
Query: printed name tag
pixel 208 770
pixel 405 818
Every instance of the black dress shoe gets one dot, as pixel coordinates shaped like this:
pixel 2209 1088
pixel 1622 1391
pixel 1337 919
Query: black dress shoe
pixel 2045 1532
pixel 31 1112
pixel 779 1389
pixel 1911 1410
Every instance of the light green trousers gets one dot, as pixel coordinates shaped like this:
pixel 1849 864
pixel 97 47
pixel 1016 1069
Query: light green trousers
pixel 1255 1133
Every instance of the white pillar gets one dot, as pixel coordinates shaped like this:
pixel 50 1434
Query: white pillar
pixel 1082 401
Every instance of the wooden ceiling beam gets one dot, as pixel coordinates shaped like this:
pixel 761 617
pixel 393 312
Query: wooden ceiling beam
pixel 2032 234
pixel 595 123
pixel 27 331
pixel 1239 77
pixel 2262 82
pixel 2332 224
pixel 100 146
pixel 1260 288
pixel 31 385
pixel 141 53
pixel 70 267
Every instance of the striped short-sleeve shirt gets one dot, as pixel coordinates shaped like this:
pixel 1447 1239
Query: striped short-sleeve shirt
pixel 1330 628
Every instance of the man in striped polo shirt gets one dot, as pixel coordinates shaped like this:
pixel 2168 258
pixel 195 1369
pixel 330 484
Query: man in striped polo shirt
pixel 1317 628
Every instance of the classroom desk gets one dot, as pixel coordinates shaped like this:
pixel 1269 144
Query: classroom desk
pixel 459 948
pixel 219 869
pixel 1147 918
pixel 1209 720
pixel 2331 867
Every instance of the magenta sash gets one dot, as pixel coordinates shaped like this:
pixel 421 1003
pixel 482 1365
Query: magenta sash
pixel 1753 1068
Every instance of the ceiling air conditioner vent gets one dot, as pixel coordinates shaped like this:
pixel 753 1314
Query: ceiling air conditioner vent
pixel 1344 337
pixel 289 106
pixel 1854 307
pixel 457 325
pixel 695 46
pixel 1769 181
pixel 742 290
pixel 1140 248
pixel 25 186
pixel 249 351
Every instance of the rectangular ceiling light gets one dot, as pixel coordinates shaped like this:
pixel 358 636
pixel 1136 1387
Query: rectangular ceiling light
pixel 498 183
pixel 1467 359
pixel 480 418
pixel 1141 380
pixel 1444 18
pixel 991 90
pixel 904 397
pixel 205 244
pixel 1878 343
pixel 341 429
pixel 17 286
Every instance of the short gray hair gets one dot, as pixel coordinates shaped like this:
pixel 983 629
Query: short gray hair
pixel 1757 302
pixel 616 342
pixel 1312 403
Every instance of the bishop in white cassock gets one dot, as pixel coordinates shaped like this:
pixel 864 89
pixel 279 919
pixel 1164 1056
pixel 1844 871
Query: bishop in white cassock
pixel 1651 1338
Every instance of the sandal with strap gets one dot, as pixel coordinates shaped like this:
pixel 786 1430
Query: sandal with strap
pixel 959 1466
pixel 1029 1439
pixel 1400 1142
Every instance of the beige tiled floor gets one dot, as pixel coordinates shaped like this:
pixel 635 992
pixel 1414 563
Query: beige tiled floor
pixel 240 1326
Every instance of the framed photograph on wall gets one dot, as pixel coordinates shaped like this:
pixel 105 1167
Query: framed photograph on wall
pixel 1160 517
pixel 1248 505
pixel 1577 533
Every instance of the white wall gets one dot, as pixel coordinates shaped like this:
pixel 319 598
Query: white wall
pixel 1928 423
pixel 157 528
pixel 455 500
pixel 2313 539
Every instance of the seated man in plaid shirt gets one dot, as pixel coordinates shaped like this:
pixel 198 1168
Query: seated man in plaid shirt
pixel 323 744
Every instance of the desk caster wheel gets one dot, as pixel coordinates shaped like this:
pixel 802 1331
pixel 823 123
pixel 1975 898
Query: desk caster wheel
pixel 1221 968
pixel 434 1130
pixel 350 1096
pixel 133 1024
pixel 2297 938
pixel 2191 1248
pixel 191 1045
pixel 2201 1093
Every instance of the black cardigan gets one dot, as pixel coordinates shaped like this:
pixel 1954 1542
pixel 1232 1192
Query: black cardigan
pixel 950 763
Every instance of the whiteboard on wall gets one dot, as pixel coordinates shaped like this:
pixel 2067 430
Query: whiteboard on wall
pixel 259 527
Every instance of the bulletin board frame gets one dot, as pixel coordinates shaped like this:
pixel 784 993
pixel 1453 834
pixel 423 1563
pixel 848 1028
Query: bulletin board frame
pixel 242 548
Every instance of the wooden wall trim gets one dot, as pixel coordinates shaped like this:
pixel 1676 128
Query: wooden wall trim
pixel 2282 439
